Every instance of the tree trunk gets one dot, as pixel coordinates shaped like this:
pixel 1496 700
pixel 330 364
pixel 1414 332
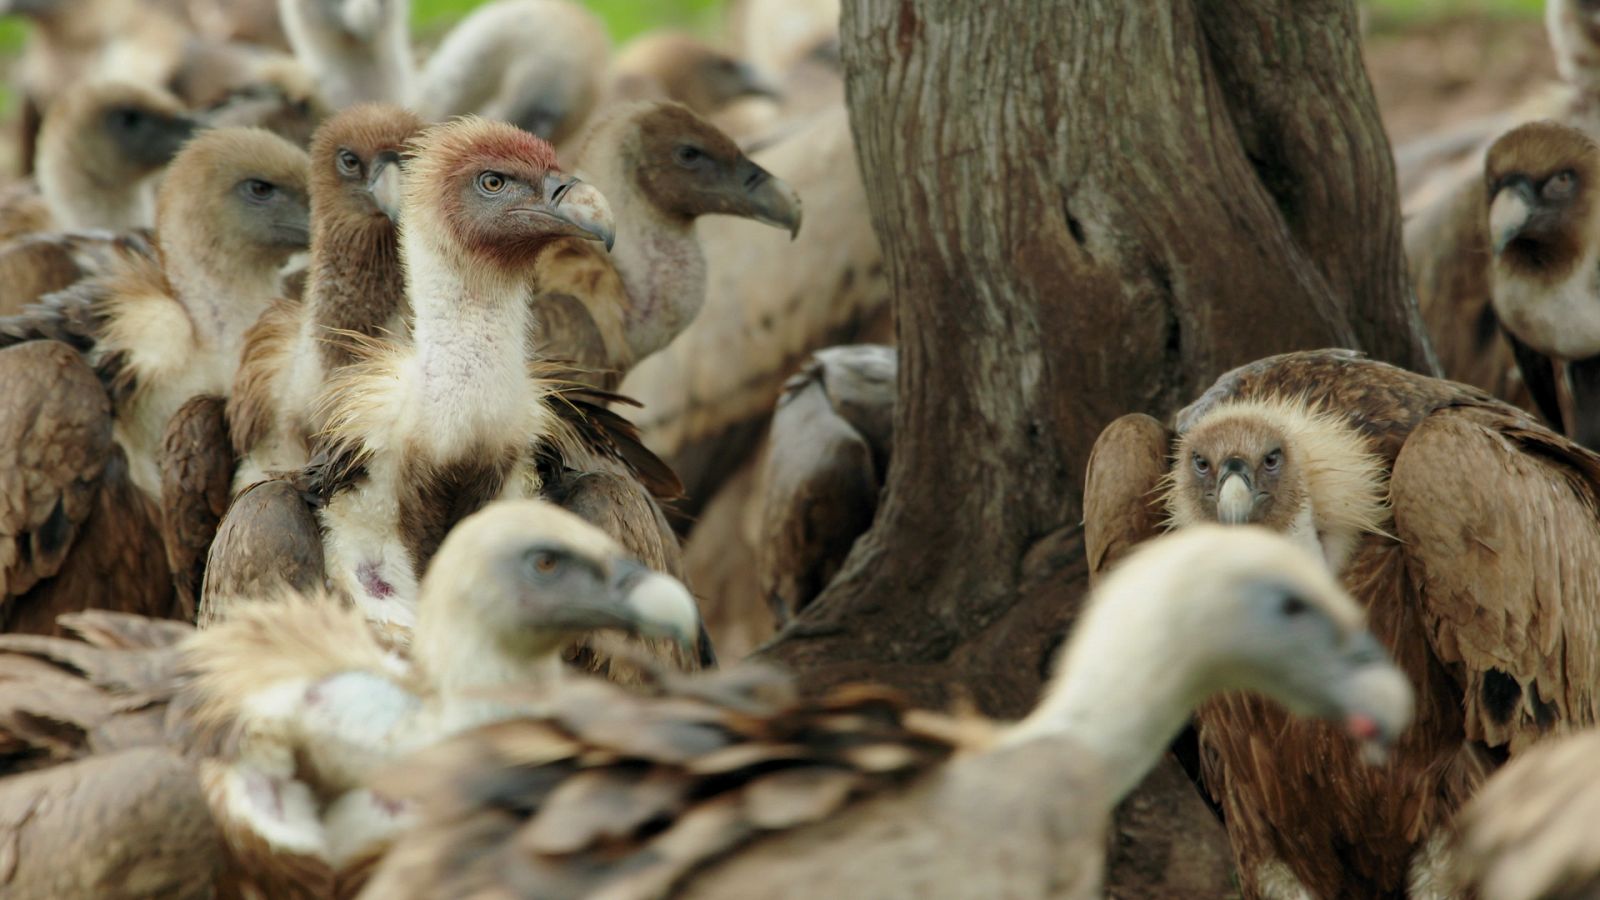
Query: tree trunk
pixel 1086 209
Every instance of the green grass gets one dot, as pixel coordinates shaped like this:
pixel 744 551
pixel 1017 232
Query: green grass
pixel 1410 12
pixel 624 18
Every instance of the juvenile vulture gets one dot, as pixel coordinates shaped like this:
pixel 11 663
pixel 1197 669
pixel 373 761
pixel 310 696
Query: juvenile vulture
pixel 419 434
pixel 1481 573
pixel 354 287
pixel 677 66
pixel 662 168
pixel 1529 833
pixel 719 791
pixel 1544 234
pixel 538 64
pixel 310 701
pixel 358 51
pixel 101 481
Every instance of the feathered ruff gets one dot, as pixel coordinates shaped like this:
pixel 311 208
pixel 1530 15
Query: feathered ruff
pixel 252 415
pixel 1346 481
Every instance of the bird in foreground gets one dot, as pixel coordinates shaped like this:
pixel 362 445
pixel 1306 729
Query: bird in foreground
pixel 293 704
pixel 662 168
pixel 420 433
pixel 1465 529
pixel 150 346
pixel 354 285
pixel 538 64
pixel 733 787
pixel 1544 234
pixel 1529 833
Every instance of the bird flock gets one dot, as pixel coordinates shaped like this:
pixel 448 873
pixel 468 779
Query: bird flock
pixel 396 429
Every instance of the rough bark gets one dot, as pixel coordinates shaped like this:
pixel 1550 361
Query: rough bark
pixel 1086 209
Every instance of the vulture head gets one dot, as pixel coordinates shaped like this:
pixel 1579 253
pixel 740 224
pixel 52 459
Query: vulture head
pixel 1284 465
pixel 1573 27
pixel 104 138
pixel 686 167
pixel 1544 227
pixel 355 167
pixel 276 93
pixel 678 66
pixel 1223 609
pixel 519 580
pixel 489 197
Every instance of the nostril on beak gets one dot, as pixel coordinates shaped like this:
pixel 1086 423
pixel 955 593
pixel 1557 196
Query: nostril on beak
pixel 562 191
pixel 755 180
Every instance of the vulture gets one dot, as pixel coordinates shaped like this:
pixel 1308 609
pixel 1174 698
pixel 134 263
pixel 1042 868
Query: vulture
pixel 736 788
pixel 357 51
pixel 1466 529
pixel 538 64
pixel 354 286
pixel 292 705
pixel 677 66
pixel 234 88
pixel 416 435
pixel 662 167
pixel 1529 833
pixel 1544 235
pixel 111 425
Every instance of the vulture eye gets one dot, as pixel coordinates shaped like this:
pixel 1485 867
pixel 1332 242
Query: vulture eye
pixel 544 562
pixel 260 191
pixel 688 155
pixel 1273 460
pixel 349 163
pixel 129 119
pixel 1293 606
pixel 491 182
pixel 1560 185
pixel 1201 466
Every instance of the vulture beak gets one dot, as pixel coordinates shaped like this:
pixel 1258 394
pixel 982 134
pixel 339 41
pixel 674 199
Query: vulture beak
pixel 765 198
pixel 1375 697
pixel 751 82
pixel 635 600
pixel 384 184
pixel 1235 497
pixel 1513 205
pixel 580 208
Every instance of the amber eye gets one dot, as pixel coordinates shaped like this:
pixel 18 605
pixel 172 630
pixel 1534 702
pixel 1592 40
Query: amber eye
pixel 1273 461
pixel 544 562
pixel 1201 466
pixel 1560 185
pixel 349 163
pixel 259 191
pixel 491 182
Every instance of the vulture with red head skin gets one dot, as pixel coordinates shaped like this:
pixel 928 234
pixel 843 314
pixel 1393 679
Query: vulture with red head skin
pixel 290 706
pixel 733 787
pixel 113 426
pixel 1543 226
pixel 1466 529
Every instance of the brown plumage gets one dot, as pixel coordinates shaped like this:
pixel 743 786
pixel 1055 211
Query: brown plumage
pixel 235 86
pixel 662 167
pixel 677 66
pixel 157 332
pixel 1490 568
pixel 354 286
pixel 1543 225
pixel 825 462
pixel 1529 833
pixel 268 541
pixel 196 484
pixel 733 787
pixel 37 265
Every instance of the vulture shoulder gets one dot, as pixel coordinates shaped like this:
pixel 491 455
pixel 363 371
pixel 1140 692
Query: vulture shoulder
pixel 1122 499
pixel 580 312
pixel 624 795
pixel 1529 833
pixel 1501 523
pixel 36 266
pixel 23 210
pixel 267 540
pixel 196 478
pixel 253 416
pixel 826 457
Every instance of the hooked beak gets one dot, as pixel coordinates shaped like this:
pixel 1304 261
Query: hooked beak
pixel 656 605
pixel 1235 497
pixel 384 184
pixel 765 198
pixel 752 82
pixel 1375 699
pixel 1512 207
pixel 580 208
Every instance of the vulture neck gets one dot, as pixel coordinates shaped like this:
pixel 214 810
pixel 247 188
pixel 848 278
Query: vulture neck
pixel 223 290
pixel 355 282
pixel 658 256
pixel 79 200
pixel 466 667
pixel 1129 682
pixel 470 322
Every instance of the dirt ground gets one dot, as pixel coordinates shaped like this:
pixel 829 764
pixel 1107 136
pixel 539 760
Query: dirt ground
pixel 1448 72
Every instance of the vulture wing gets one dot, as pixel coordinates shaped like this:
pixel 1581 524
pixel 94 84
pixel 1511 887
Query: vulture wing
pixel 268 540
pixel 1122 491
pixel 580 312
pixel 38 265
pixel 196 476
pixel 1509 576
